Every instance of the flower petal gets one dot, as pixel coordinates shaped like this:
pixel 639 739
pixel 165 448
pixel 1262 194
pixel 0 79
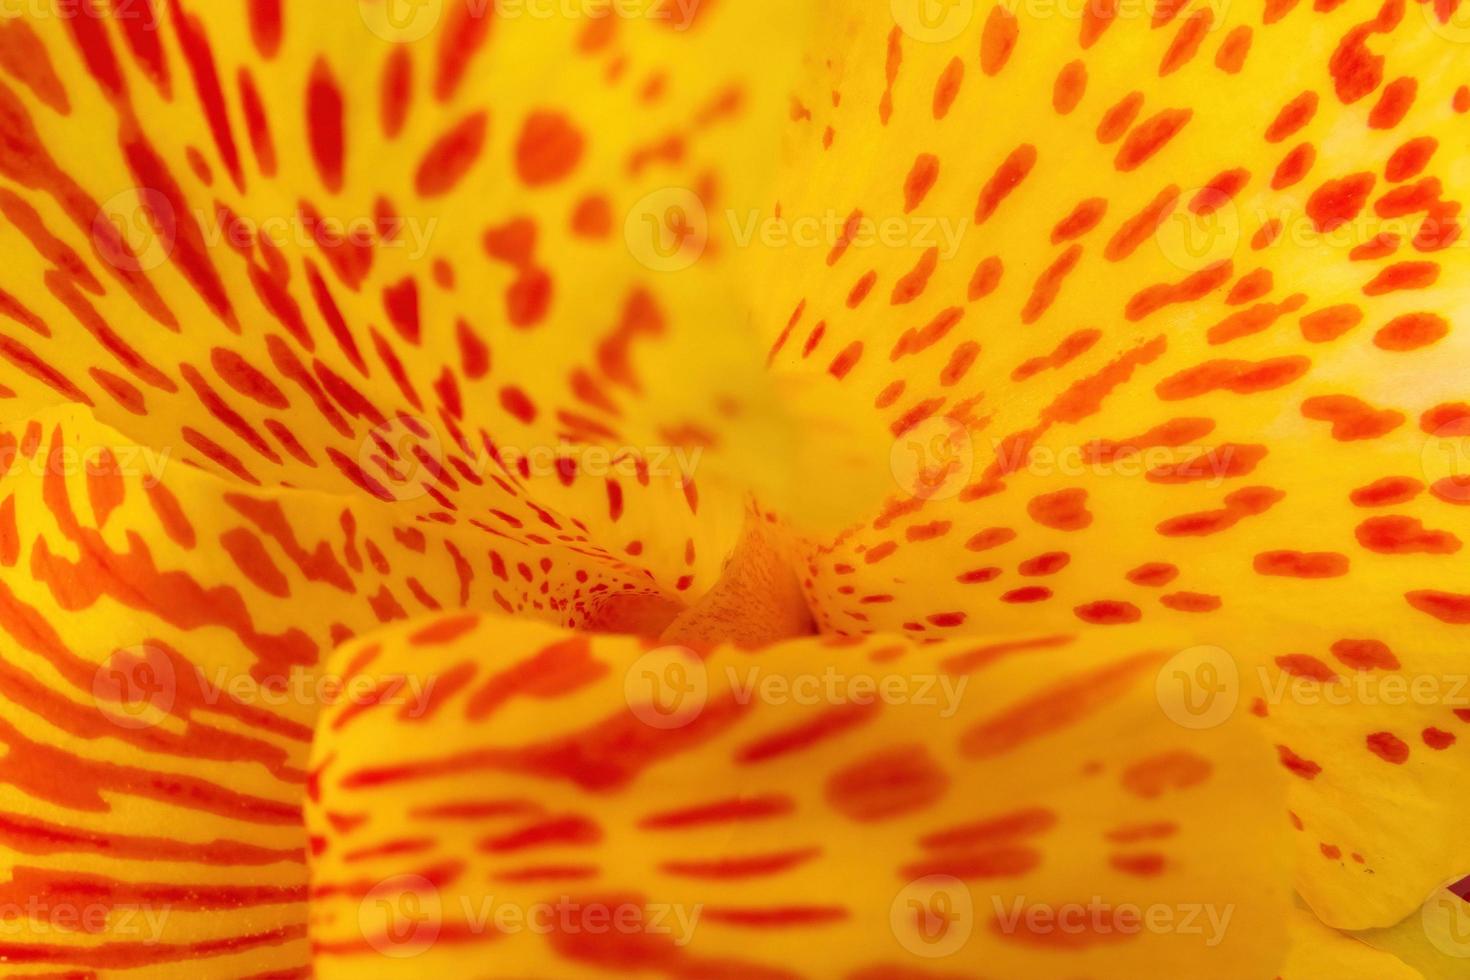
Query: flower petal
pixel 585 806
pixel 1162 317
pixel 420 258
pixel 1435 940
pixel 1318 951
pixel 164 631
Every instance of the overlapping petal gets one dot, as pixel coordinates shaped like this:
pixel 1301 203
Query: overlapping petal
pixel 1160 307
pixel 585 806
pixel 164 638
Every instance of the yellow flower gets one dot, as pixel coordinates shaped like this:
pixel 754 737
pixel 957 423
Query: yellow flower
pixel 707 489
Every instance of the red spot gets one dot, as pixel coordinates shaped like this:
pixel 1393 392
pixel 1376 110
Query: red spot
pixel 1351 418
pixel 1365 654
pixel 518 403
pixel 921 178
pixel 1230 58
pixel 395 93
pixel 1292 117
pixel 1409 160
pixel 1393 103
pixel 1007 177
pixel 1330 323
pixel 1069 87
pixel 1403 275
pixel 1336 202
pixel 1411 332
pixel 1106 612
pixel 401 301
pixel 1192 287
pixel 948 87
pixel 1437 738
pixel 1388 747
pixel 1387 491
pixel 1139 228
pixel 548 149
pixel 998 40
pixel 887 783
pixel 1154 574
pixel 265 26
pixel 1064 510
pixel 324 126
pixel 1240 377
pixel 1447 607
pixel 1397 535
pixel 1306 666
pixel 449 159
pixel 1149 137
pixel 1298 564
pixel 1119 117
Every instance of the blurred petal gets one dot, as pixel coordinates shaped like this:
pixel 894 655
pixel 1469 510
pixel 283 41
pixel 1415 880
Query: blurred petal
pixel 164 632
pixel 1160 312
pixel 591 806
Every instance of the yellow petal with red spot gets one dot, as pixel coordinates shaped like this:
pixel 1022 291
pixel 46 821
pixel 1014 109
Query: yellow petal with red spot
pixel 413 259
pixel 586 806
pixel 164 635
pixel 1161 310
